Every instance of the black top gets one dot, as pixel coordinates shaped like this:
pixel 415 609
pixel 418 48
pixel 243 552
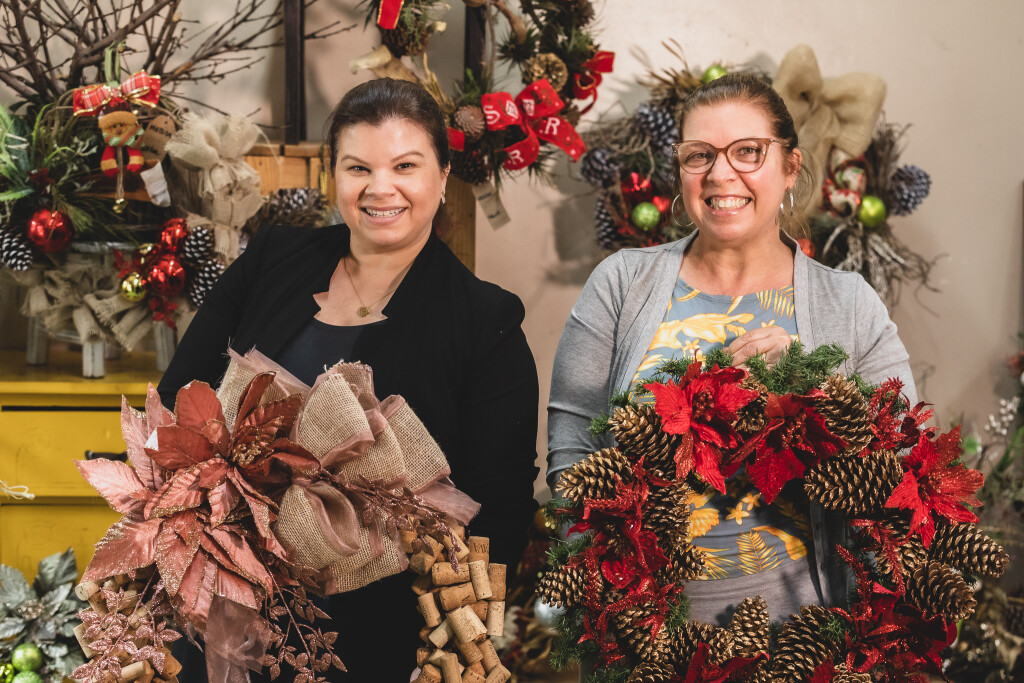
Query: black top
pixel 318 346
pixel 452 346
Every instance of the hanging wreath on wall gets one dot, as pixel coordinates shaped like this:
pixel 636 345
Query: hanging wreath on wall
pixel 914 547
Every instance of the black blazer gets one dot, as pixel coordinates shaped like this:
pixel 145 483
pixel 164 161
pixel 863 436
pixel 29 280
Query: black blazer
pixel 452 345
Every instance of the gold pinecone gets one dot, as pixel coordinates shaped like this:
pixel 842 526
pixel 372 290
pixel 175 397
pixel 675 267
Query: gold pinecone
pixel 721 646
pixel 595 476
pixel 565 586
pixel 686 563
pixel 638 638
pixel 750 627
pixel 750 418
pixel 844 675
pixel 909 549
pixel 470 120
pixel 802 646
pixel 1013 617
pixel 546 65
pixel 846 413
pixel 762 673
pixel 651 672
pixel 684 642
pixel 855 486
pixel 967 548
pixel 667 513
pixel 937 589
pixel 403 40
pixel 638 430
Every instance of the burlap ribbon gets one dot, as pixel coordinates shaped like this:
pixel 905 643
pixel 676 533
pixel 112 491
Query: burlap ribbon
pixel 230 188
pixel 363 440
pixel 56 296
pixel 835 112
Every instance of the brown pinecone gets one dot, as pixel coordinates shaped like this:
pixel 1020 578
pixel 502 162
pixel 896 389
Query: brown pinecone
pixel 937 589
pixel 750 418
pixel 565 586
pixel 638 431
pixel 802 646
pixel 855 486
pixel 470 120
pixel 686 563
pixel 470 166
pixel 684 642
pixel 846 413
pixel 1013 618
pixel 750 627
pixel 546 65
pixel 909 549
pixel 667 513
pixel 721 647
pixel 651 672
pixel 638 638
pixel 844 675
pixel 967 548
pixel 595 476
pixel 402 40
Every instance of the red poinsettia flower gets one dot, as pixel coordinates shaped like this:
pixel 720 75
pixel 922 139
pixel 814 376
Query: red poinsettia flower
pixel 894 427
pixel 933 484
pixel 702 408
pixel 794 439
pixel 701 670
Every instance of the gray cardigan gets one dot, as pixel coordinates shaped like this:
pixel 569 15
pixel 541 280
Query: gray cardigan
pixel 611 326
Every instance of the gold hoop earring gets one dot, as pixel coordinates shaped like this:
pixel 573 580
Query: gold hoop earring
pixel 791 202
pixel 672 210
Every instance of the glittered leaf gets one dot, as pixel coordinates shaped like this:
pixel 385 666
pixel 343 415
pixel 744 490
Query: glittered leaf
pixel 251 396
pixel 178 448
pixel 135 430
pixel 197 404
pixel 127 545
pixel 115 481
pixel 181 492
pixel 772 469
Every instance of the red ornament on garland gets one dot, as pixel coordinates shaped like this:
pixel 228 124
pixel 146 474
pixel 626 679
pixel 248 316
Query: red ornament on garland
pixel 50 231
pixel 637 188
pixel 166 277
pixel 172 234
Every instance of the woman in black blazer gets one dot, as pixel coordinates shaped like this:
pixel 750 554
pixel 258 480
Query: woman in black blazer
pixel 384 290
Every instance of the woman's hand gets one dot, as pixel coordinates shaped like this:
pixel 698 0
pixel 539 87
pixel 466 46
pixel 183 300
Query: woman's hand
pixel 770 342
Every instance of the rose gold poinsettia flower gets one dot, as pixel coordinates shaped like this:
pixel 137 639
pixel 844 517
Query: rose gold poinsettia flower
pixel 193 504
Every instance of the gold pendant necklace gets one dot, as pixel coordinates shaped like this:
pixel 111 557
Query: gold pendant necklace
pixel 363 310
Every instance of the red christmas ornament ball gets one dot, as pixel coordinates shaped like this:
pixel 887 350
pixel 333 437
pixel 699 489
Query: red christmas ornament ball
pixel 806 246
pixel 166 277
pixel 174 231
pixel 50 231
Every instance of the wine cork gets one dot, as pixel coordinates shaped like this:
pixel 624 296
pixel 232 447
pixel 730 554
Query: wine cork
pixel 110 584
pixel 498 674
pixel 470 652
pixel 480 607
pixel 470 676
pixel 423 655
pixel 467 625
pixel 172 667
pixel 495 618
pixel 481 582
pixel 422 584
pixel 148 675
pixel 450 668
pixel 453 597
pixel 98 604
pixel 405 539
pixel 462 552
pixel 478 667
pixel 137 616
pixel 135 671
pixel 444 575
pixel 490 659
pixel 429 674
pixel 421 562
pixel 428 608
pixel 457 529
pixel 129 598
pixel 80 636
pixel 86 589
pixel 442 634
pixel 122 579
pixel 496 573
pixel 425 634
pixel 479 549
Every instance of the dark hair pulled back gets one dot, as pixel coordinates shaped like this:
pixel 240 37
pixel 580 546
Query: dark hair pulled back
pixel 383 99
pixel 750 89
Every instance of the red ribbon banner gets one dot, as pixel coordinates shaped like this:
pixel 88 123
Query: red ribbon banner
pixel 139 88
pixel 534 111
pixel 585 84
pixel 387 15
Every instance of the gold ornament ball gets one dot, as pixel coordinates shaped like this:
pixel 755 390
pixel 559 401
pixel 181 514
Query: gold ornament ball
pixel 542 523
pixel 144 250
pixel 872 211
pixel 119 206
pixel 713 72
pixel 133 288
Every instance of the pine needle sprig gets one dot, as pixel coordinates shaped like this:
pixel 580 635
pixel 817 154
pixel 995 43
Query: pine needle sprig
pixel 567 648
pixel 719 357
pixel 612 674
pixel 796 371
pixel 678 614
pixel 560 553
pixel 599 425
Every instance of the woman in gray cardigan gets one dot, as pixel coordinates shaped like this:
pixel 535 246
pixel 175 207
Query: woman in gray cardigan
pixel 741 283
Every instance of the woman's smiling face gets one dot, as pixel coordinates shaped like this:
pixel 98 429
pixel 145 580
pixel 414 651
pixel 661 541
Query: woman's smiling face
pixel 729 206
pixel 389 184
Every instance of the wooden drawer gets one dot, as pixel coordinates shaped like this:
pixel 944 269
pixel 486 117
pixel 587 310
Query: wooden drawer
pixel 31 531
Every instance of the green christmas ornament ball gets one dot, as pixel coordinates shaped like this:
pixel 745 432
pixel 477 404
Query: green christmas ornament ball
pixel 7 672
pixel 27 677
pixel 712 72
pixel 645 216
pixel 27 657
pixel 872 211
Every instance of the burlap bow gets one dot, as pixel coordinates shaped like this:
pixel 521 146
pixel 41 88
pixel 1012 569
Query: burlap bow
pixel 229 187
pixel 352 434
pixel 836 112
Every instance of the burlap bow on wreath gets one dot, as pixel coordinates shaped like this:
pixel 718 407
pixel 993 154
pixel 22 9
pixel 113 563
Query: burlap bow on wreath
pixel 834 112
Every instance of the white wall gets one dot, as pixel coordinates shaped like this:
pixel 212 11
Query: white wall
pixel 954 72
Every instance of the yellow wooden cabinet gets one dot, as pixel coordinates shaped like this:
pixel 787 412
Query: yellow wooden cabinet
pixel 49 417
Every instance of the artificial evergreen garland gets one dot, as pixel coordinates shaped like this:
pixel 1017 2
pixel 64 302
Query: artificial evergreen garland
pixel 622 579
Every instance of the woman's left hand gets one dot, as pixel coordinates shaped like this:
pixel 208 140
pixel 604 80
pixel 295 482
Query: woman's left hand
pixel 770 342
